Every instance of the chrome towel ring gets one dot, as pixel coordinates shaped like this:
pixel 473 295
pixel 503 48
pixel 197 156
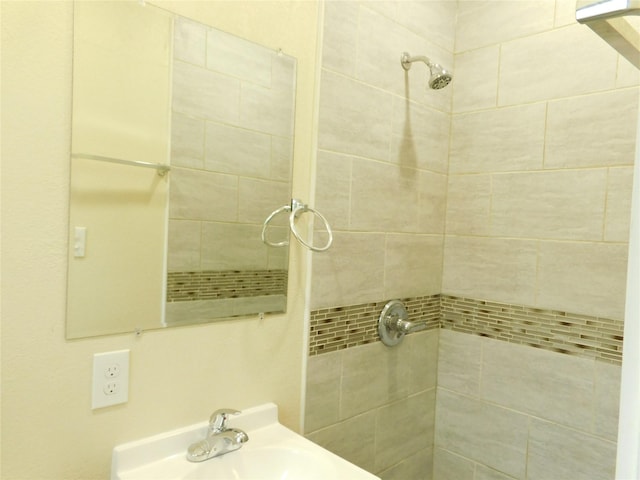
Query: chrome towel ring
pixel 285 208
pixel 296 208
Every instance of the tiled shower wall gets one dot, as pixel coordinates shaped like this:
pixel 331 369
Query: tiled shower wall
pixel 540 167
pixel 382 164
pixel 381 180
pixel 539 188
pixel 538 179
pixel 508 411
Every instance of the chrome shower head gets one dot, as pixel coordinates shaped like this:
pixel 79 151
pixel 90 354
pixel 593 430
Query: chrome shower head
pixel 439 78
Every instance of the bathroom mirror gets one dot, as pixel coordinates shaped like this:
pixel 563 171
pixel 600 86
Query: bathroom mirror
pixel 182 145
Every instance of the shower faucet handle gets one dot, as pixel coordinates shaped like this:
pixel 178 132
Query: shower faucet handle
pixel 394 323
pixel 406 326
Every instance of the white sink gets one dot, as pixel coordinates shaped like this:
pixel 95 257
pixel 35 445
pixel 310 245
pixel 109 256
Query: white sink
pixel 272 452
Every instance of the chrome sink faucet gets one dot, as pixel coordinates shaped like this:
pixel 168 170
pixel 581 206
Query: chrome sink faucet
pixel 220 438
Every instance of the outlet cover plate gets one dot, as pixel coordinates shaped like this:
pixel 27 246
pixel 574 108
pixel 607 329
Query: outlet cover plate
pixel 110 379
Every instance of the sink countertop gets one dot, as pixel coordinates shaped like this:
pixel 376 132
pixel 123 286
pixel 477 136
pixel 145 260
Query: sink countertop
pixel 272 452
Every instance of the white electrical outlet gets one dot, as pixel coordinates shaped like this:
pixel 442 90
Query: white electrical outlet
pixel 110 378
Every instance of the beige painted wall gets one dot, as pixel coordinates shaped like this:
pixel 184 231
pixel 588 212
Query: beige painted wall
pixel 178 376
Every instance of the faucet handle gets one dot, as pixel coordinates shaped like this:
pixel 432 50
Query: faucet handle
pixel 218 420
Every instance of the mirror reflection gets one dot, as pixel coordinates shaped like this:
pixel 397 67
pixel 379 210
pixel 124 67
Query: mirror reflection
pixel 156 92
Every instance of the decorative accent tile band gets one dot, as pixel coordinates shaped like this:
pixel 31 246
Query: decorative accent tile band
pixel 568 333
pixel 208 285
pixel 338 328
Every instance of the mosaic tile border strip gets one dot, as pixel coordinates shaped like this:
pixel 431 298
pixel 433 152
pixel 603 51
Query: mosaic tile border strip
pixel 587 336
pixel 211 285
pixel 339 328
pixel 563 332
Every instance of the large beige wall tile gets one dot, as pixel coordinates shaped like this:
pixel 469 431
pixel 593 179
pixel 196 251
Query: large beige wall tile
pixel 432 195
pixel 351 271
pixel 388 8
pixel 469 205
pixel 187 141
pixel 381 42
pixel 628 74
pixel 237 151
pixel 459 362
pixel 383 197
pixel 475 85
pixel 584 278
pixel 538 382
pixel 258 198
pixel 494 436
pixel 269 110
pixel 449 466
pixel 190 41
pixel 588 278
pixel 400 373
pixel 353 440
pixel 362 391
pixel 482 23
pixel 284 74
pixel 238 58
pixel 500 140
pixel 205 94
pixel 419 465
pixel 413 265
pixel 232 246
pixel 333 188
pixel 183 250
pixel 419 136
pixel 354 118
pixel 558 205
pixel 411 418
pixel 322 405
pixel 565 13
pixel 188 313
pixel 434 20
pixel 217 201
pixel 559 452
pixel 555 64
pixel 607 400
pixel 340 41
pixel 432 203
pixel 486 473
pixel 281 158
pixel 618 214
pixel 503 270
pixel 594 130
pixel 421 360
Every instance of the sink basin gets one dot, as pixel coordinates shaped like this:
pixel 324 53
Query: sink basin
pixel 272 452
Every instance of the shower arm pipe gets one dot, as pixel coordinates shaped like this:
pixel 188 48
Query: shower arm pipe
pixel 407 60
